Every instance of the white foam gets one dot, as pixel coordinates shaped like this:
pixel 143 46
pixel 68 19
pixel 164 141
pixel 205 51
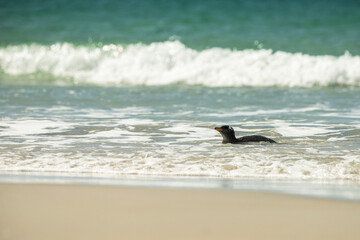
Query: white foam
pixel 177 159
pixel 287 129
pixel 121 144
pixel 120 136
pixel 336 139
pixel 247 111
pixel 30 126
pixel 172 62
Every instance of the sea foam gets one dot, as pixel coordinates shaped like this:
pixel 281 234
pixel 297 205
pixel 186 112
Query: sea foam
pixel 172 62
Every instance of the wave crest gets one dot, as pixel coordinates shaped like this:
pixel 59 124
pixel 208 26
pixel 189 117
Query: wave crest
pixel 172 62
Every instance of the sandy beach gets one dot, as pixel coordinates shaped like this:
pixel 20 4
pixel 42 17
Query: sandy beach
pixel 33 211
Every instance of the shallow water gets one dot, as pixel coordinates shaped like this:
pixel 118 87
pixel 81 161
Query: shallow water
pixel 169 131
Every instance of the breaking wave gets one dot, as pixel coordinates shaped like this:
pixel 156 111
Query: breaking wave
pixel 172 62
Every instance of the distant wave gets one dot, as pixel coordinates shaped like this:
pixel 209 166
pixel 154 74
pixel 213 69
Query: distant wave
pixel 172 62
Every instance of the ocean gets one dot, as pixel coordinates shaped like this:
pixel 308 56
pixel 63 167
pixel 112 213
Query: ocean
pixel 133 89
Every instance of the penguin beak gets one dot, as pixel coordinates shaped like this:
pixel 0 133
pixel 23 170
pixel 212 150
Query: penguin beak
pixel 218 129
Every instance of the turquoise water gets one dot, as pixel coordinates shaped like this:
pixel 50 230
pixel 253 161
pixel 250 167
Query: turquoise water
pixel 312 27
pixel 124 88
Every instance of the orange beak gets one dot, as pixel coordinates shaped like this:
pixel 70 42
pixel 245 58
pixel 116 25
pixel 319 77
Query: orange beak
pixel 218 129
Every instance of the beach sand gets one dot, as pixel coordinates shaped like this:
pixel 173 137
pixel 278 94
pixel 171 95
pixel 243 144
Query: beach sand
pixel 52 212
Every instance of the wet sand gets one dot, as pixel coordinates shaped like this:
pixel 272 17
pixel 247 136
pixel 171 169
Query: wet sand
pixel 36 212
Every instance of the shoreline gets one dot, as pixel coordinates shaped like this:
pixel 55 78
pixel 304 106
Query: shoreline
pixel 55 211
pixel 338 190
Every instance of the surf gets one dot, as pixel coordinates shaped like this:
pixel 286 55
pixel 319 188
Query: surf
pixel 171 62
